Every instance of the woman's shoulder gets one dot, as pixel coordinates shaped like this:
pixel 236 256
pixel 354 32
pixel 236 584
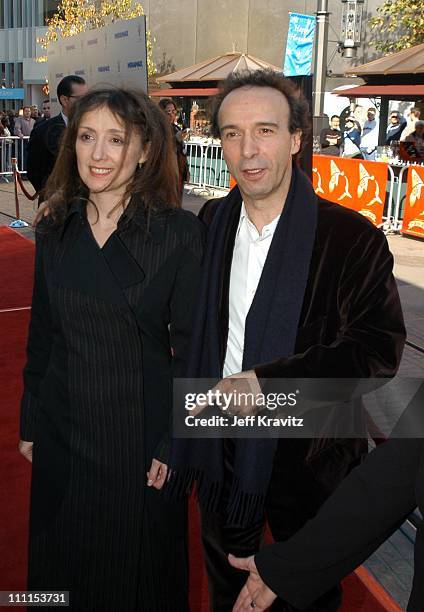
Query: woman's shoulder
pixel 185 223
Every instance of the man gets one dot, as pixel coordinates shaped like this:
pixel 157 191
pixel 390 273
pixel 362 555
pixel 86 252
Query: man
pixel 413 116
pixel 45 112
pixel 294 287
pixel 46 108
pixel 34 112
pixel 331 137
pixel 352 138
pixel 45 140
pixel 369 138
pixel 395 128
pixel 24 125
pixel 417 139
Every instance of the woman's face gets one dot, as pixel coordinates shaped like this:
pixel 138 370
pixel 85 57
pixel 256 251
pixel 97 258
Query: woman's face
pixel 106 157
pixel 171 112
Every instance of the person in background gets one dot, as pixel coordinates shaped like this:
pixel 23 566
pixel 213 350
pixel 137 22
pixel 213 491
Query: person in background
pixel 34 112
pixel 11 116
pixel 24 125
pixel 369 137
pixel 331 137
pixel 43 146
pixel 46 108
pixel 395 128
pixel 352 138
pixel 45 114
pixel 170 109
pixel 417 138
pixel 413 117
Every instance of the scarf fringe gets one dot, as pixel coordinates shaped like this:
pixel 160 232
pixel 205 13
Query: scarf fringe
pixel 243 508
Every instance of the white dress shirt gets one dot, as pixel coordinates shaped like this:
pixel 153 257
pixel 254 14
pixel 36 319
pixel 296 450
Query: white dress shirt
pixel 249 255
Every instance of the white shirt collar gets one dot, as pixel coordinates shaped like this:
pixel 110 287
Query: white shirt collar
pixel 267 230
pixel 65 118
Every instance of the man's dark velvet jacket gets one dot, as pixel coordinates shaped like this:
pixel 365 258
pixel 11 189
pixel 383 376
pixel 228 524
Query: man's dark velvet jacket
pixel 351 323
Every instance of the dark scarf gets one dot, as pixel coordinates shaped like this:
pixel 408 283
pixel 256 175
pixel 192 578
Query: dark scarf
pixel 270 333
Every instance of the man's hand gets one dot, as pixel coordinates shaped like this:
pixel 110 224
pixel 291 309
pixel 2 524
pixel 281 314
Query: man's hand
pixel 235 395
pixel 156 476
pixel 255 595
pixel 25 448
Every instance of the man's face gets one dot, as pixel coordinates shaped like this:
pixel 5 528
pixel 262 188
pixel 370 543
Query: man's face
pixel 77 91
pixel 335 123
pixel 394 119
pixel 419 130
pixel 46 109
pixel 256 142
pixel 371 115
pixel 27 112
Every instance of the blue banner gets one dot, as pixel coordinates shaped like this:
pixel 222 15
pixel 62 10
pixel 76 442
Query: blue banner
pixel 300 44
pixel 9 93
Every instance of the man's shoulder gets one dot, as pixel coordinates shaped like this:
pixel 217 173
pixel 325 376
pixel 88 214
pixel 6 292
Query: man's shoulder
pixel 344 224
pixel 210 208
pixel 48 124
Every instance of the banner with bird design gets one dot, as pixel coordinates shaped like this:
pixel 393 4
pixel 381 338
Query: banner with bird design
pixel 413 215
pixel 354 183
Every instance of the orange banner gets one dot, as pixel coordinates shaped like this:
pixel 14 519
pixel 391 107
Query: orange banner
pixel 354 183
pixel 413 214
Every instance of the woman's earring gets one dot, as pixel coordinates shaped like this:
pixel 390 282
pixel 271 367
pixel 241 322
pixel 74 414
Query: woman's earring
pixel 140 165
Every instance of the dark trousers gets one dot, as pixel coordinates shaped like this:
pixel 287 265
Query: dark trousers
pixel 294 496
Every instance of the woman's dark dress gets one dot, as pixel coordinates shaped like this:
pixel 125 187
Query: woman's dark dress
pixel 97 402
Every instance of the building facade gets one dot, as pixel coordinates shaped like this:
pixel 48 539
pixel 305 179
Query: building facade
pixel 21 23
pixel 189 31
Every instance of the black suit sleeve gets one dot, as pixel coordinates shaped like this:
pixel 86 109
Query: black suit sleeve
pixel 38 345
pixel 183 303
pixel 367 508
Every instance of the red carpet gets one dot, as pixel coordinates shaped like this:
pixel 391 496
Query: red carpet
pixel 362 594
pixel 16 269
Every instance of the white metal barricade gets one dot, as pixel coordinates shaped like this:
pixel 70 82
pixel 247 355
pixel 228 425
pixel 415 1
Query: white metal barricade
pixel 208 170
pixel 215 170
pixel 10 147
pixel 195 156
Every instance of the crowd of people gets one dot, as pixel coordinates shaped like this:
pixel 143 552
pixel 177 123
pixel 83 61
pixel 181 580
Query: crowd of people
pixel 131 292
pixel 356 139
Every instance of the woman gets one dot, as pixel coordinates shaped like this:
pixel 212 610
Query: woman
pixel 117 268
pixel 170 109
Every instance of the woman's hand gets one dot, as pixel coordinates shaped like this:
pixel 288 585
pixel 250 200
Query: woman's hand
pixel 25 448
pixel 156 476
pixel 43 211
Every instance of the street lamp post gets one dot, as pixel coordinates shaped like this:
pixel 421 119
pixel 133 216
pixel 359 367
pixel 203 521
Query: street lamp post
pixel 320 71
pixel 351 27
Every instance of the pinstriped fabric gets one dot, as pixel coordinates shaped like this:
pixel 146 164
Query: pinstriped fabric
pixel 102 407
pixel 104 543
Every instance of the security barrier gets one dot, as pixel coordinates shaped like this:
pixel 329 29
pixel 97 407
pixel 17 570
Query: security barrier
pixel 413 210
pixel 208 170
pixel 12 147
pixel 364 186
